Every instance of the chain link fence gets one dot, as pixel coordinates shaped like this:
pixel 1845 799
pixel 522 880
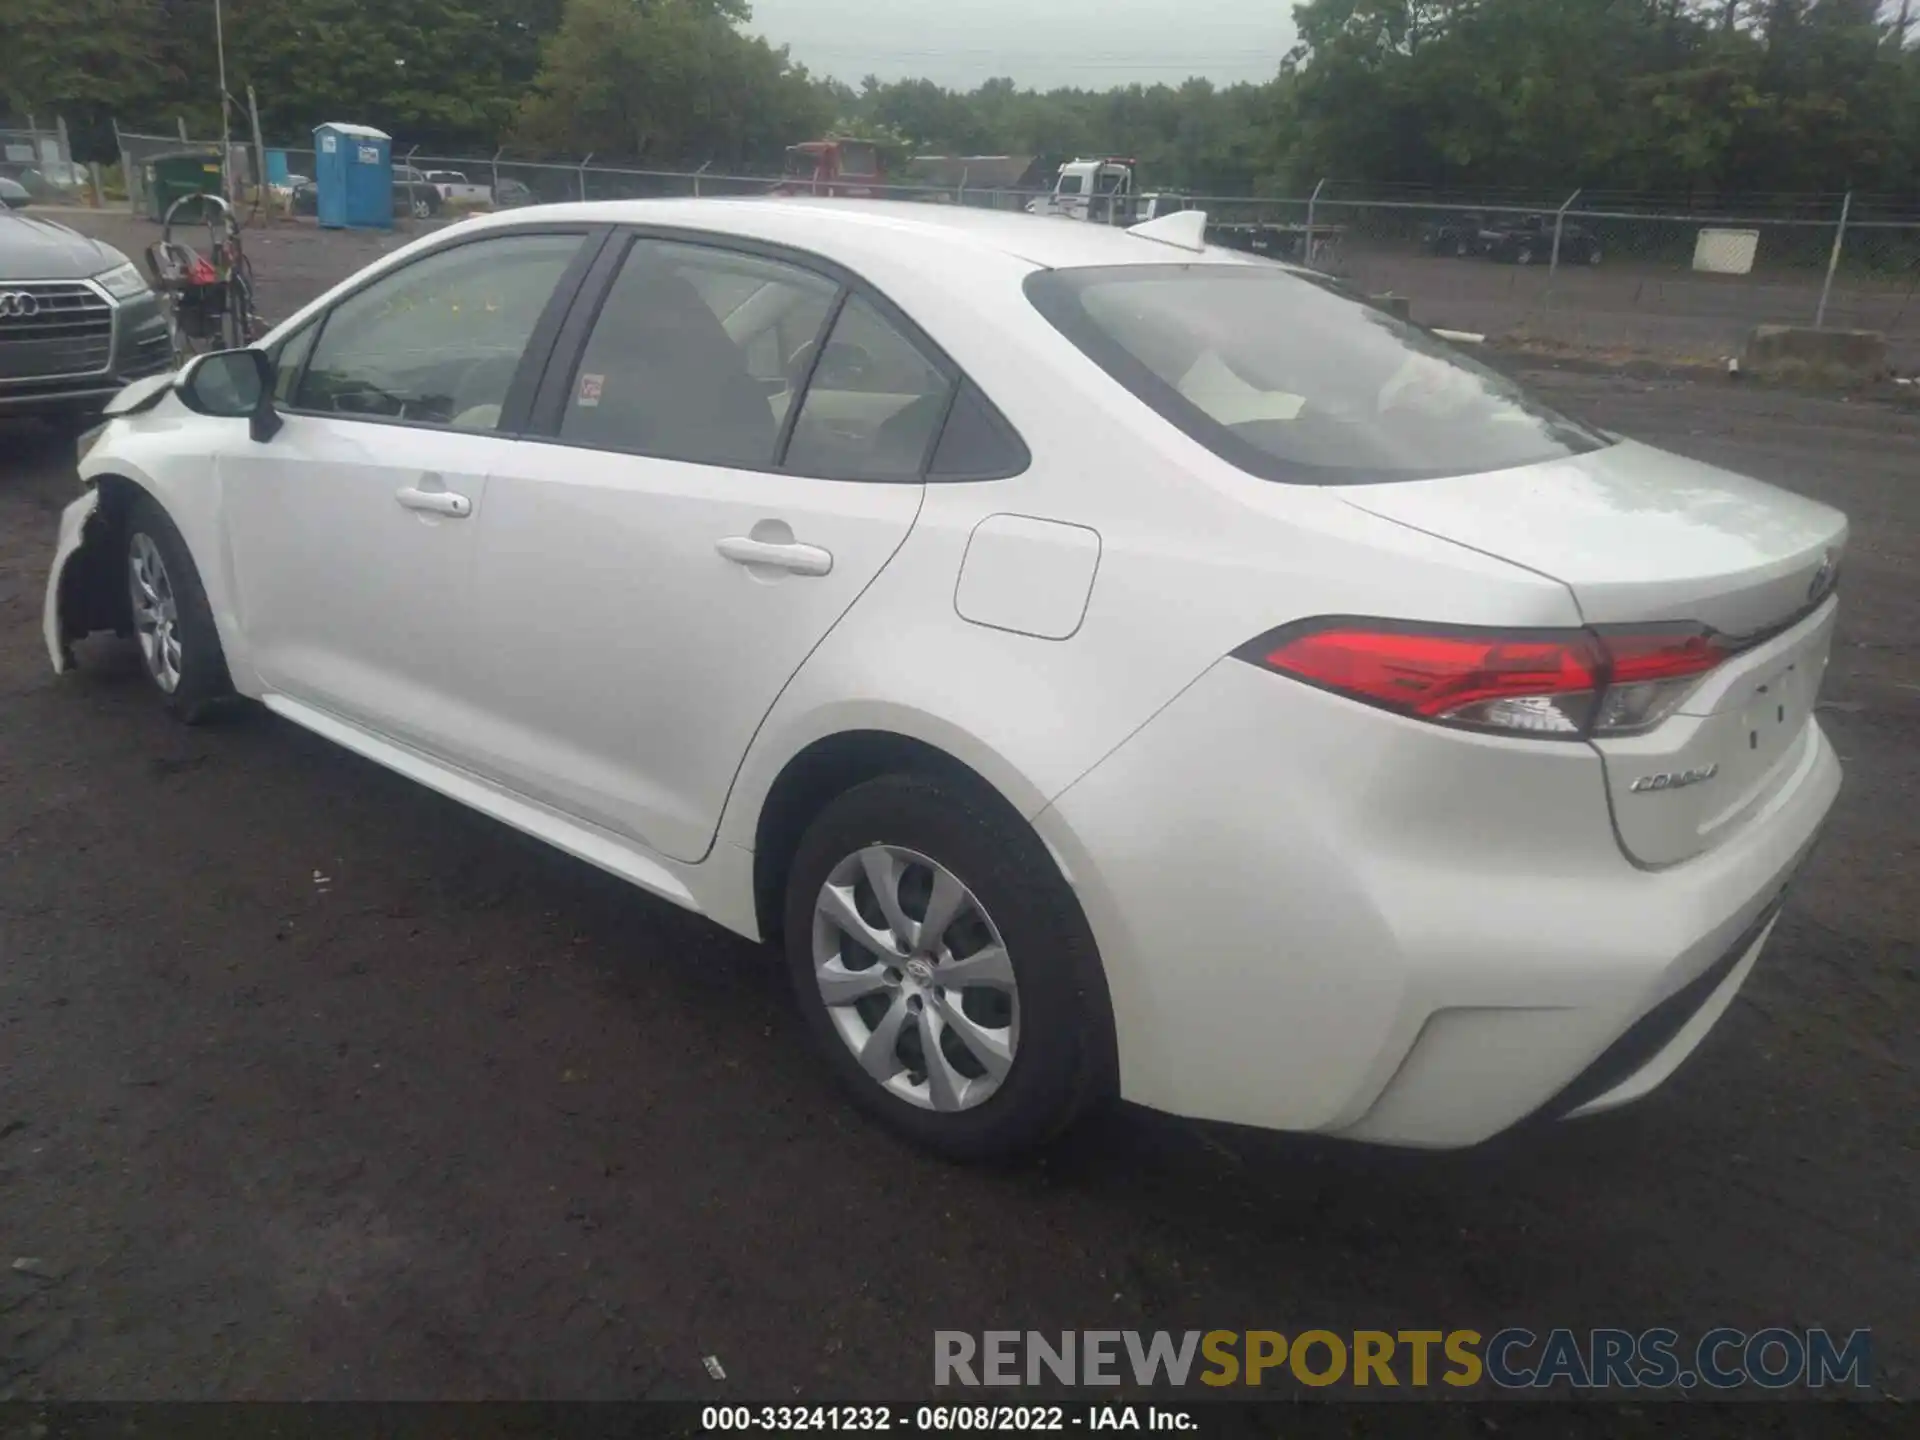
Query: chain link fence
pixel 1683 286
pixel 1619 275
pixel 30 145
pixel 1614 274
pixel 41 162
pixel 137 148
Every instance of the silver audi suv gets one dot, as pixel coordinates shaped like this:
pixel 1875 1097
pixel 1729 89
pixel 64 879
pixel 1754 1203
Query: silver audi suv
pixel 77 321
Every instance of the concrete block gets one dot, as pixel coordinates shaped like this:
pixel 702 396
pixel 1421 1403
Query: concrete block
pixel 1821 357
pixel 1398 306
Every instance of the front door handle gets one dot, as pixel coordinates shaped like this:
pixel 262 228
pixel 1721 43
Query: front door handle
pixel 790 556
pixel 436 502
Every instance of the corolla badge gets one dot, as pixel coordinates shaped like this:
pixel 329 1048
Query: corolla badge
pixel 1674 779
pixel 1823 578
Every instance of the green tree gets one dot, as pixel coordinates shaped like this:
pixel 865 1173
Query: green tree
pixel 439 72
pixel 83 60
pixel 666 82
pixel 1702 95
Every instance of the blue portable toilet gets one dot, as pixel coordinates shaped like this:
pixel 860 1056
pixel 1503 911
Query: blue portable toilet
pixel 353 175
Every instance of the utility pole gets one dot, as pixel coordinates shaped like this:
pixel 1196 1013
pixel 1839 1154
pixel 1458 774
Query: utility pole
pixel 1559 226
pixel 259 152
pixel 1833 260
pixel 226 129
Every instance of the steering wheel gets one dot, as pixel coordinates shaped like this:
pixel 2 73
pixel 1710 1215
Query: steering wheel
pixel 480 382
pixel 797 363
pixel 845 364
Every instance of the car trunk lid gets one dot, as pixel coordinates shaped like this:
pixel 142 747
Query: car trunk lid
pixel 1641 537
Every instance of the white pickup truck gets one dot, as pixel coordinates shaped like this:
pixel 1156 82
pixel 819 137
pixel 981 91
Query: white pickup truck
pixel 455 189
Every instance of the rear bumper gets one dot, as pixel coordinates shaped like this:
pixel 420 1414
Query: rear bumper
pixel 1653 1046
pixel 1345 922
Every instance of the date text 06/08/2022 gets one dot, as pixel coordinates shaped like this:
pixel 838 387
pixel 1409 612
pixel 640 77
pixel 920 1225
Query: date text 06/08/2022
pixel 939 1419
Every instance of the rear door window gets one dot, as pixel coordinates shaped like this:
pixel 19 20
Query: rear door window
pixel 1290 379
pixel 977 443
pixel 696 355
pixel 873 403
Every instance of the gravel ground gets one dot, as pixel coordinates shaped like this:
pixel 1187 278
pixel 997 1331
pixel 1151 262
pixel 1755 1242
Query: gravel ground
pixel 316 1085
pixel 1629 307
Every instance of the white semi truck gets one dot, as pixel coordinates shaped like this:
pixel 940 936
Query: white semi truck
pixel 1103 191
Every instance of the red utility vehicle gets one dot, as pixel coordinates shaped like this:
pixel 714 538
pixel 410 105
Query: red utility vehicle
pixel 850 169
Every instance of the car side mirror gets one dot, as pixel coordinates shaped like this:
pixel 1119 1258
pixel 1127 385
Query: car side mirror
pixel 232 383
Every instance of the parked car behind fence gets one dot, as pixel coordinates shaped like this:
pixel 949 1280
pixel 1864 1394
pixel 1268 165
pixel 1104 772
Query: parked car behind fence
pixel 1529 240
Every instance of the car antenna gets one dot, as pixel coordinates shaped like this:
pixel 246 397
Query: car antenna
pixel 1185 228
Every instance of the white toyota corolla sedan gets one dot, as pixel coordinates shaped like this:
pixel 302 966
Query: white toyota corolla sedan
pixel 1102 662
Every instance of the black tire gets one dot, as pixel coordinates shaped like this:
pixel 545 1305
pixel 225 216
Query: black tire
pixel 1062 1062
pixel 203 681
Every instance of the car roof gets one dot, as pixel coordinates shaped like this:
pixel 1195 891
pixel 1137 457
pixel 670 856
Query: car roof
pixel 834 226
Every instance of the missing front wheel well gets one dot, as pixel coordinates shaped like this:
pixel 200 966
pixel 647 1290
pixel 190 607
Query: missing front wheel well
pixel 93 596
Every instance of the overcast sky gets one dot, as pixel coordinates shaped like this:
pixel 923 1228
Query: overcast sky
pixel 1040 43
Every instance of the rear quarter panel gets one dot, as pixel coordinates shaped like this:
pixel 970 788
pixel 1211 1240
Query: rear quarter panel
pixel 1195 558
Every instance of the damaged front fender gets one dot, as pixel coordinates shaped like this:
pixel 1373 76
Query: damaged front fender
pixel 61 622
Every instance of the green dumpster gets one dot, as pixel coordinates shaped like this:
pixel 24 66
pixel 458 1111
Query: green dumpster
pixel 182 172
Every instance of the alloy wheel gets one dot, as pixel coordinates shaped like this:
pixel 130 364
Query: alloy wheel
pixel 915 978
pixel 156 614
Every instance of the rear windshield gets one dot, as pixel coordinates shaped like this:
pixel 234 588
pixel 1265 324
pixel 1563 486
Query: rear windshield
pixel 1292 379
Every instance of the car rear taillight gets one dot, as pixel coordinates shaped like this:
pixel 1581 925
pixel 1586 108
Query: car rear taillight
pixel 1564 684
pixel 1649 672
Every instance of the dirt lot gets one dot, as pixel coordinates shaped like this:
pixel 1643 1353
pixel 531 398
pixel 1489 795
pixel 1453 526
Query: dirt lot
pixel 1645 298
pixel 319 1086
pixel 1626 307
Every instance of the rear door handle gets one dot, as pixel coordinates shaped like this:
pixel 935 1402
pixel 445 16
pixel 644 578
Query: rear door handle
pixel 792 557
pixel 436 502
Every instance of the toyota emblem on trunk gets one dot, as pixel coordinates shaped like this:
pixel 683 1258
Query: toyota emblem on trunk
pixel 18 303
